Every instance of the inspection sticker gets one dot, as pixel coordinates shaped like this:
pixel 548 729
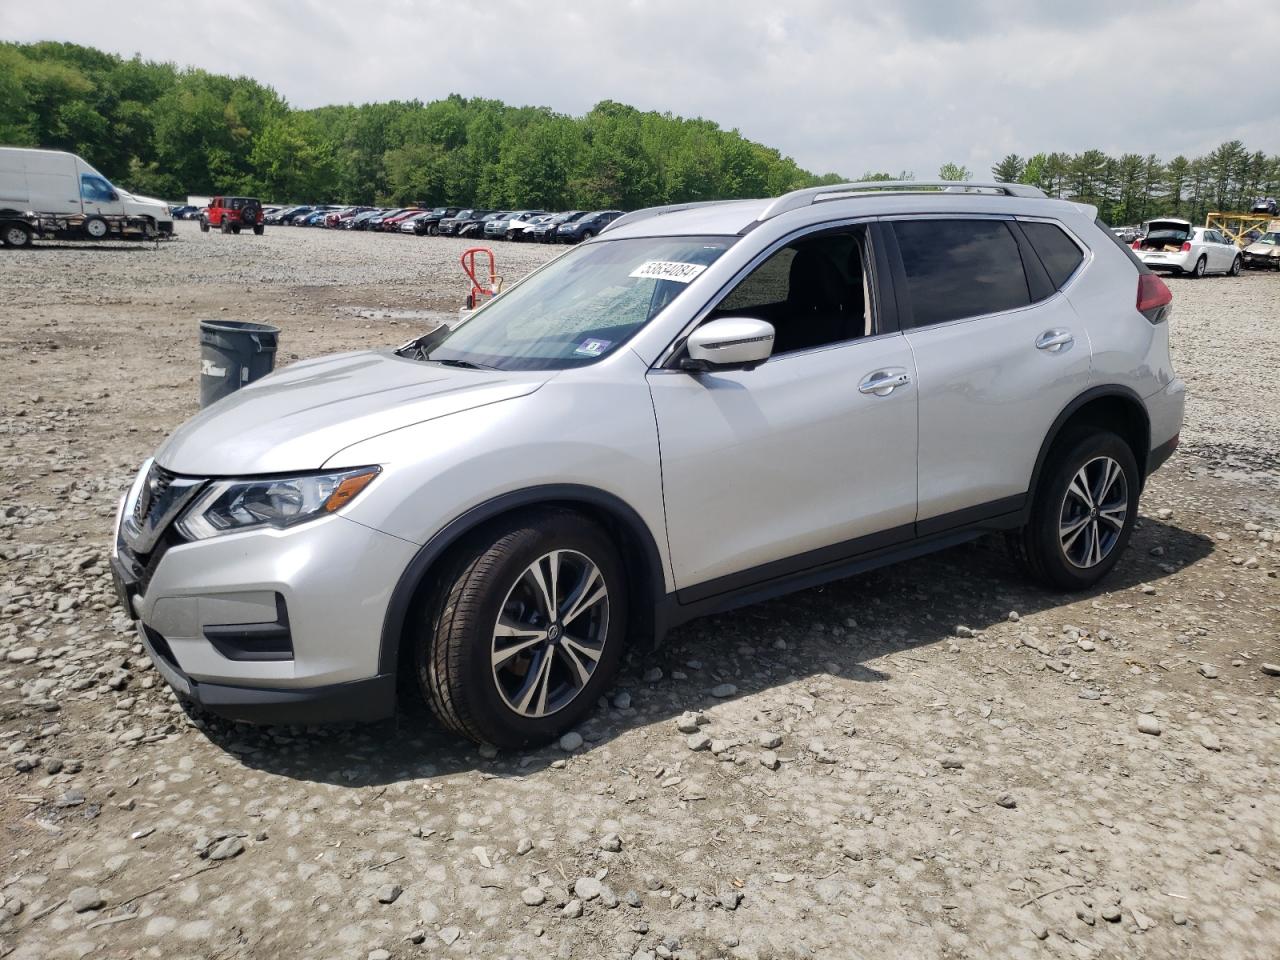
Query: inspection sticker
pixel 668 270
pixel 592 348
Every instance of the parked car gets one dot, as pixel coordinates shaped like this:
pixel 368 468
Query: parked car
pixel 665 422
pixel 291 217
pixel 474 225
pixel 1127 234
pixel 65 190
pixel 376 222
pixel 410 224
pixel 315 218
pixel 501 227
pixel 1263 205
pixel 183 211
pixel 523 230
pixel 545 232
pixel 1263 252
pixel 1179 247
pixel 361 220
pixel 393 222
pixel 448 226
pixel 233 214
pixel 274 218
pixel 430 224
pixel 585 227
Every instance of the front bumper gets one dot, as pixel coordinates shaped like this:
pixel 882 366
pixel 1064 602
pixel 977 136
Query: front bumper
pixel 270 625
pixel 355 701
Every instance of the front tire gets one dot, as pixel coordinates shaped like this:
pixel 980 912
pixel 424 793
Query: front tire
pixel 525 630
pixel 1235 267
pixel 1083 512
pixel 17 235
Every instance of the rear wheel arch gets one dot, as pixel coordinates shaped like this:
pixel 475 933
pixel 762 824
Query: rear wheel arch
pixel 1115 408
pixel 631 535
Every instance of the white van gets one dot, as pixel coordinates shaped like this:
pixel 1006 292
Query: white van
pixel 62 194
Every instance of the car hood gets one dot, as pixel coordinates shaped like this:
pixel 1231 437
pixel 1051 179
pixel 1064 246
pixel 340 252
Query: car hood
pixel 1262 249
pixel 299 417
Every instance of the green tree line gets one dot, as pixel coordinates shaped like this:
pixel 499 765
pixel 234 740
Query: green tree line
pixel 168 131
pixel 1132 188
pixel 162 130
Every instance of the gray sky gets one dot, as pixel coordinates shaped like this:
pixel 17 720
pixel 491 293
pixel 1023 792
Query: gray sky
pixel 844 86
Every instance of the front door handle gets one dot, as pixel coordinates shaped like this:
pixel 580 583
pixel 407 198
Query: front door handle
pixel 884 382
pixel 1054 340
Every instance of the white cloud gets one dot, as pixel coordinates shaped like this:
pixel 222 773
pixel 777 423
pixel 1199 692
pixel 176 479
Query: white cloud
pixel 840 86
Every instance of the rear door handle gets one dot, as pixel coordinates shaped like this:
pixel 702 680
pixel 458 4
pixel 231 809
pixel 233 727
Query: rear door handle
pixel 1054 340
pixel 884 382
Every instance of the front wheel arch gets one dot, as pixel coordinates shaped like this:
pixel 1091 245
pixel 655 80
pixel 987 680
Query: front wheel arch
pixel 634 540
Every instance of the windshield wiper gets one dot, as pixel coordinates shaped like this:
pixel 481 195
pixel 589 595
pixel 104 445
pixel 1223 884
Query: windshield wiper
pixel 465 364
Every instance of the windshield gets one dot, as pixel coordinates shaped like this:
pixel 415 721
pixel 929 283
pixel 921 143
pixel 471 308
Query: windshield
pixel 1271 239
pixel 582 306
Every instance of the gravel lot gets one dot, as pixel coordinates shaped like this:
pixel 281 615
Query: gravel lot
pixel 934 760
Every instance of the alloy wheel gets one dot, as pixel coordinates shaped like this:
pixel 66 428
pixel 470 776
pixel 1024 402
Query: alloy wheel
pixel 550 633
pixel 1093 513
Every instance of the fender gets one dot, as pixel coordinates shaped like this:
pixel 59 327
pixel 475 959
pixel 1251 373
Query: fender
pixel 1093 393
pixel 640 551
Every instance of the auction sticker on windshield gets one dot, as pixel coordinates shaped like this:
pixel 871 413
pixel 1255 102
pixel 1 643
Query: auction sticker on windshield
pixel 592 347
pixel 668 270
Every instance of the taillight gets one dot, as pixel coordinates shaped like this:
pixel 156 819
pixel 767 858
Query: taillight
pixel 1154 297
pixel 1186 246
pixel 1137 244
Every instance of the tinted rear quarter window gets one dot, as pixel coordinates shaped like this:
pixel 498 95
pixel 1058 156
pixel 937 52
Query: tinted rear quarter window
pixel 960 268
pixel 1056 250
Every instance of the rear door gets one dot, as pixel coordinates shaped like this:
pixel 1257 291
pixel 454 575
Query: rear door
pixel 999 352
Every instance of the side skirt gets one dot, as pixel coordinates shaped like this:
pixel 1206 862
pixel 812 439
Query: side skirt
pixel 838 562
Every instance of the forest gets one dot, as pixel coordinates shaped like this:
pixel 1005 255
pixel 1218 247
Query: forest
pixel 168 131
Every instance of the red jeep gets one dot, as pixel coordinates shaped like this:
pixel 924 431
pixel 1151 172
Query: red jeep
pixel 229 214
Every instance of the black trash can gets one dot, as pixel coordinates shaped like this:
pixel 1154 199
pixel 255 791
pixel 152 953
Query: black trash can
pixel 233 353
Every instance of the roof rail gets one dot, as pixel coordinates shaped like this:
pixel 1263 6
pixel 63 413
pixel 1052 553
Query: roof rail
pixel 635 216
pixel 803 198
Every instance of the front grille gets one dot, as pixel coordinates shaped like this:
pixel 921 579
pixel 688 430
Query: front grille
pixel 151 496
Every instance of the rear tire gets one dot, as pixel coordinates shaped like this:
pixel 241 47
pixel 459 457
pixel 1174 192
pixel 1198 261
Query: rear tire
pixel 1083 511
pixel 488 602
pixel 258 229
pixel 1198 270
pixel 235 228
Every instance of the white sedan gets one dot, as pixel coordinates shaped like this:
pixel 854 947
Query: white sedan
pixel 1177 246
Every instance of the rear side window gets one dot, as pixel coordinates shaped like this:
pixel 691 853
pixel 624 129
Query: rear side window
pixel 1056 250
pixel 960 268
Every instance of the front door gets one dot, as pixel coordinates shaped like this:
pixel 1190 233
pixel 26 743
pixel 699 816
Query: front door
pixel 810 456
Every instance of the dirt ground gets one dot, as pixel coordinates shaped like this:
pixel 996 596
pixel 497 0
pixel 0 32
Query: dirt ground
pixel 960 770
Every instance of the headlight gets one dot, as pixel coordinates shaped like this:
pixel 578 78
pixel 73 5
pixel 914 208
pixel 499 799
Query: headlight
pixel 229 506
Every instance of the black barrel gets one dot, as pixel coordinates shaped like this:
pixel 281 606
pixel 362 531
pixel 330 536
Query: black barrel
pixel 233 353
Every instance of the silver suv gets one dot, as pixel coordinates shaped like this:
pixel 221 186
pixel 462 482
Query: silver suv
pixel 705 406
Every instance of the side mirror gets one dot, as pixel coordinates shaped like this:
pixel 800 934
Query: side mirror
pixel 729 342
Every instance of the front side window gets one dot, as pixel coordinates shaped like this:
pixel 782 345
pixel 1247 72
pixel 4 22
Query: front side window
pixel 1055 249
pixel 813 291
pixel 95 189
pixel 960 268
pixel 582 306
